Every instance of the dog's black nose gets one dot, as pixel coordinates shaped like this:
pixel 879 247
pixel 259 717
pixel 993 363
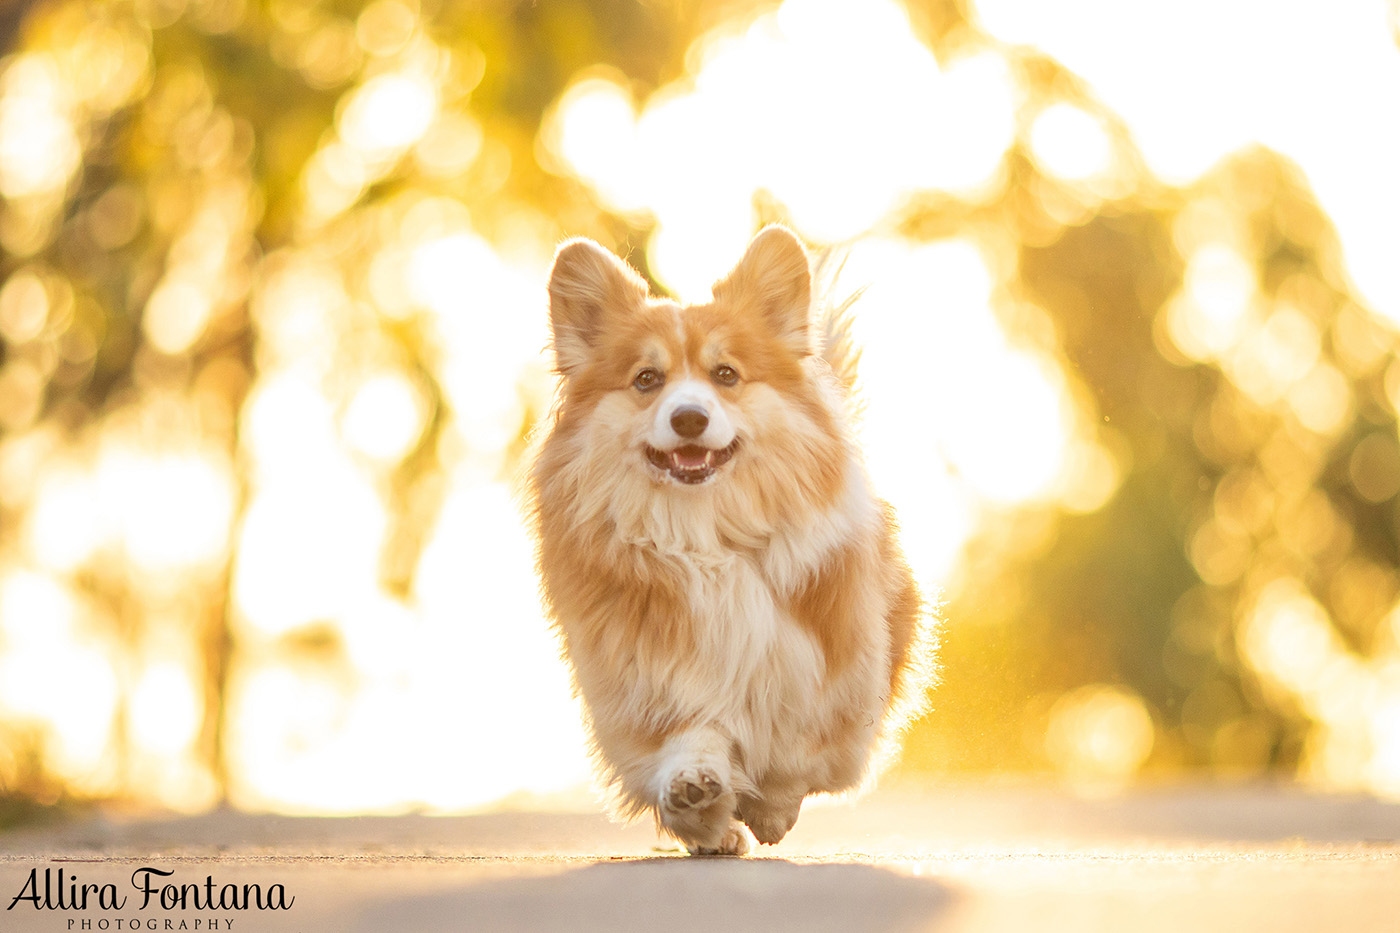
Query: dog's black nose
pixel 689 421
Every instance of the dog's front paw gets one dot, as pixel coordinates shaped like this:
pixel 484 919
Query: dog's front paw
pixel 692 789
pixel 734 842
pixel 695 804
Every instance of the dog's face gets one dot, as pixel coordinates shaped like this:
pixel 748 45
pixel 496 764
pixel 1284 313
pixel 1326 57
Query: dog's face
pixel 684 393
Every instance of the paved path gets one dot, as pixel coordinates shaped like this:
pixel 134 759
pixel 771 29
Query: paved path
pixel 952 859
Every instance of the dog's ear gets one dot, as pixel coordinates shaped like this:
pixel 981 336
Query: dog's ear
pixel 587 284
pixel 775 279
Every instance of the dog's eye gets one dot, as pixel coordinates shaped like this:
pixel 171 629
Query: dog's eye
pixel 725 375
pixel 648 379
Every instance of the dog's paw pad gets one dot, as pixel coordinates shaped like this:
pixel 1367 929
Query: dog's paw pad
pixel 692 789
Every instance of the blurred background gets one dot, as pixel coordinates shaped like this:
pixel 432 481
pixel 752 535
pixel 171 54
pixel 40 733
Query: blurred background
pixel 272 334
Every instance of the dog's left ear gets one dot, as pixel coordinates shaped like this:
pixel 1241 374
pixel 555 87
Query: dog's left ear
pixel 774 278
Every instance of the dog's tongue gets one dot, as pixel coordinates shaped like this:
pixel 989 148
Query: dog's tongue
pixel 690 457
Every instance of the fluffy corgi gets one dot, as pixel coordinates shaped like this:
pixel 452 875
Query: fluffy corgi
pixel 740 621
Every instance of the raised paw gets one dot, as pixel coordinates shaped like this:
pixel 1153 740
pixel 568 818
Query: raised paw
pixel 770 828
pixel 692 789
pixel 734 842
pixel 770 820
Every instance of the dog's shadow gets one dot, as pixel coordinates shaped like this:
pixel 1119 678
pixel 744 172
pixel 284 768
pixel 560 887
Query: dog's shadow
pixel 678 893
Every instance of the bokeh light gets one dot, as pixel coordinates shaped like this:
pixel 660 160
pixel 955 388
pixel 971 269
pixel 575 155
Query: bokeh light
pixel 1098 735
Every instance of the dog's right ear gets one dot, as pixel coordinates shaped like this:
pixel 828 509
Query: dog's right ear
pixel 774 278
pixel 587 284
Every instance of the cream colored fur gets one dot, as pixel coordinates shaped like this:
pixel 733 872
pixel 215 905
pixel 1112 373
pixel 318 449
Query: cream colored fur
pixel 741 642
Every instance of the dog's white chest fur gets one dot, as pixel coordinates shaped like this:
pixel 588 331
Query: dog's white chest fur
pixel 756 671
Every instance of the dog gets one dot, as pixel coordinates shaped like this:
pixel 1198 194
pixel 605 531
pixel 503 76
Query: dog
pixel 740 621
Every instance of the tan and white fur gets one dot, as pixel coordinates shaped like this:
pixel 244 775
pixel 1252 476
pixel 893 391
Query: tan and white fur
pixel 740 621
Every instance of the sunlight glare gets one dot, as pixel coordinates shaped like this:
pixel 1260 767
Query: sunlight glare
pixel 309 550
pixel 385 418
pixel 39 146
pixel 1322 401
pixel 300 299
pixel 388 112
pixel 1274 355
pixel 1090 477
pixel 171 510
pixel 834 146
pixel 690 258
pixel 36 611
pixel 289 426
pixel 1099 734
pixel 333 179
pixel 1288 639
pixel 108 64
pixel 177 313
pixel 498 658
pixel 309 545
pixel 165 709
pixel 1383 719
pixel 1213 78
pixel 928 334
pixel 24 306
pixel 479 300
pixel 50 678
pixel 977 120
pixel 450 145
pixel 1216 303
pixel 65 530
pixel 1069 143
pixel 928 331
pixel 279 712
pixel 594 128
pixel 448 682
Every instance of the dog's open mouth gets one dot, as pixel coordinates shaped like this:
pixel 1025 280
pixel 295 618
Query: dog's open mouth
pixel 691 463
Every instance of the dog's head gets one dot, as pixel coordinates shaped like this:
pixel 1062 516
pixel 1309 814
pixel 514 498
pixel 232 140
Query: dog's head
pixel 686 393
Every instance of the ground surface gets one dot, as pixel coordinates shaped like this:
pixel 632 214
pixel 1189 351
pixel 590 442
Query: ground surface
pixel 950 859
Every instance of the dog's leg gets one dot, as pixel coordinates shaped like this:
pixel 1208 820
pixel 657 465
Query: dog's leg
pixel 773 810
pixel 695 795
